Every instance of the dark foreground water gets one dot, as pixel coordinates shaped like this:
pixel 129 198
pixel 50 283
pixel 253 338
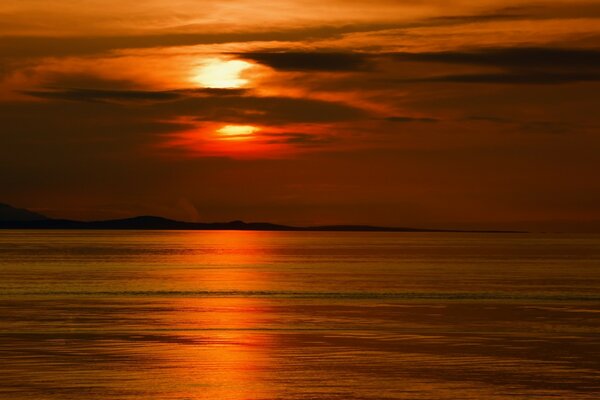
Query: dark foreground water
pixel 265 315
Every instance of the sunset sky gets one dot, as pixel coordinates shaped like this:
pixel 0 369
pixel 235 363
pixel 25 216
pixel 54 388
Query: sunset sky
pixel 435 114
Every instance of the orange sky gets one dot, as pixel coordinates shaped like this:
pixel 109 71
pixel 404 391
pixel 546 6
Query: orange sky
pixel 441 114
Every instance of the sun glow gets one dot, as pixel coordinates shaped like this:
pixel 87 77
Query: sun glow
pixel 237 132
pixel 221 74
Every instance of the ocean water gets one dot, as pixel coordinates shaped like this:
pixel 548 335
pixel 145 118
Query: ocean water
pixel 176 315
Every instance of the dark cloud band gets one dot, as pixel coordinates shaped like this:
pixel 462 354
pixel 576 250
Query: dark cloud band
pixel 310 61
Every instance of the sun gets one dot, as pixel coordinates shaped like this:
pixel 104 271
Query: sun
pixel 221 74
pixel 237 132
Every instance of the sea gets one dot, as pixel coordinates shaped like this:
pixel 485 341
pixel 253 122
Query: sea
pixel 249 315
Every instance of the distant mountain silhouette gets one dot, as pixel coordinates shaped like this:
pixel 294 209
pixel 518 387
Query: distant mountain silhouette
pixel 8 213
pixel 23 219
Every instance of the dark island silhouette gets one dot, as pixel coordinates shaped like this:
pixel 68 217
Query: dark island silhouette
pixel 17 218
pixel 8 213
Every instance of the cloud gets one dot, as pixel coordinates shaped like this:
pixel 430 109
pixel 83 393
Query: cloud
pixel 97 95
pixel 212 91
pixel 520 65
pixel 102 95
pixel 518 78
pixel 558 10
pixel 53 46
pixel 34 45
pixel 310 61
pixel 506 14
pixel 411 119
pixel 266 110
pixel 213 105
pixel 78 131
pixel 296 138
pixel 516 66
pixel 532 11
pixel 518 57
pixel 530 126
pixel 486 118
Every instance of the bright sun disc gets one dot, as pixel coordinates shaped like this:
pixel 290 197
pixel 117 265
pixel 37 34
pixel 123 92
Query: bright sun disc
pixel 222 74
pixel 237 131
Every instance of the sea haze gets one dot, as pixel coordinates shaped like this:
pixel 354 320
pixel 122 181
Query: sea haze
pixel 174 315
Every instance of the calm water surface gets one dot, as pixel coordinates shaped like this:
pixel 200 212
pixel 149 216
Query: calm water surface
pixel 279 315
